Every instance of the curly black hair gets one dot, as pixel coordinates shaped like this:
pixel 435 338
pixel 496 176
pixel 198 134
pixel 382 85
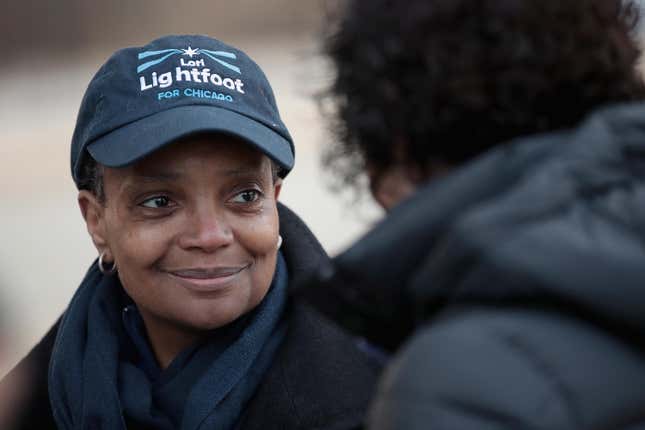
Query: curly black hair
pixel 440 81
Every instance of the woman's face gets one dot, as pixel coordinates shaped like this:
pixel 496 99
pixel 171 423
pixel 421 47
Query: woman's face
pixel 193 230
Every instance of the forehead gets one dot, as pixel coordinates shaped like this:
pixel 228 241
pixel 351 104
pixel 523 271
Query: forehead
pixel 207 154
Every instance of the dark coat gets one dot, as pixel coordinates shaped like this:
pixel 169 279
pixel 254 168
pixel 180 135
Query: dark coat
pixel 319 378
pixel 513 289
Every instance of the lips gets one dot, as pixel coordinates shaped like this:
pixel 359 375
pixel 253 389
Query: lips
pixel 207 273
pixel 207 279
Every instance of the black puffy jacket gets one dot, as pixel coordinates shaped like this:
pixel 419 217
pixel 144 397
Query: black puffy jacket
pixel 513 289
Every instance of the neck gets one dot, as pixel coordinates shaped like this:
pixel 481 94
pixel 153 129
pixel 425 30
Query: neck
pixel 166 339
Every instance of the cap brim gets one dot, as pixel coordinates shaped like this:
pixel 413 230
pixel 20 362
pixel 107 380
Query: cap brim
pixel 134 141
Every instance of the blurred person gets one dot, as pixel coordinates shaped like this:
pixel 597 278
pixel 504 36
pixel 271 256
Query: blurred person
pixel 506 140
pixel 185 320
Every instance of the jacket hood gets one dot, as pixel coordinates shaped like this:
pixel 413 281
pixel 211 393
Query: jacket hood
pixel 551 220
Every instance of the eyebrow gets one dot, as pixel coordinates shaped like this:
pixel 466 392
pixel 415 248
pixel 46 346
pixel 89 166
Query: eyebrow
pixel 170 176
pixel 243 171
pixel 157 177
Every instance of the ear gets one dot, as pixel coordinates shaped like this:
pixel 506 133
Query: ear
pixel 277 186
pixel 390 186
pixel 93 212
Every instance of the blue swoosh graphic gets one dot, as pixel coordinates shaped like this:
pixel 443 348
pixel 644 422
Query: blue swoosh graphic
pixel 149 64
pixel 147 54
pixel 221 53
pixel 223 63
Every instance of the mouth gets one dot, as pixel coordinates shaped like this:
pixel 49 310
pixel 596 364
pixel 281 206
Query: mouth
pixel 207 279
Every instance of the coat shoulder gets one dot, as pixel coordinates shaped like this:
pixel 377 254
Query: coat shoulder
pixel 33 409
pixel 497 368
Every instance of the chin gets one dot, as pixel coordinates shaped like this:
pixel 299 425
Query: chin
pixel 211 316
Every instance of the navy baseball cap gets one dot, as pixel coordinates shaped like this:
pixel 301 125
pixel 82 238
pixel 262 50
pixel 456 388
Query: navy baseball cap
pixel 144 98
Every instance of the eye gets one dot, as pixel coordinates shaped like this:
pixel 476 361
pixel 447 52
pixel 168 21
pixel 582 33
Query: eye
pixel 246 196
pixel 156 202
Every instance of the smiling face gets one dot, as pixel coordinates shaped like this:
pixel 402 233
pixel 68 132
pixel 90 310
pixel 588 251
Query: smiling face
pixel 193 230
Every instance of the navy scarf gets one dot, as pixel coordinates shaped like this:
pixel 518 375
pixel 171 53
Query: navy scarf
pixel 100 376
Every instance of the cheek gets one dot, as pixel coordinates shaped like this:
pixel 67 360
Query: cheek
pixel 258 235
pixel 137 251
pixel 137 247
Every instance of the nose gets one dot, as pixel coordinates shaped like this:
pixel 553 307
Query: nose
pixel 206 230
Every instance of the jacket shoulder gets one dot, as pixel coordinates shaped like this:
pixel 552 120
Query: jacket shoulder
pixel 494 368
pixel 33 409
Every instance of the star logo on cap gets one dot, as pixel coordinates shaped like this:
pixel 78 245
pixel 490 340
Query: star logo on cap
pixel 190 52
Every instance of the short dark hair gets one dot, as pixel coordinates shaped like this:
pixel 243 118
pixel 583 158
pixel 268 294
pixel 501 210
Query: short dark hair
pixel 422 81
pixel 91 178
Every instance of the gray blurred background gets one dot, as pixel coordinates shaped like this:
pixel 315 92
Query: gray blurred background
pixel 52 49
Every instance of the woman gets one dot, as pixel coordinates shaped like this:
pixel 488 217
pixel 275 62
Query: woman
pixel 506 141
pixel 184 321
